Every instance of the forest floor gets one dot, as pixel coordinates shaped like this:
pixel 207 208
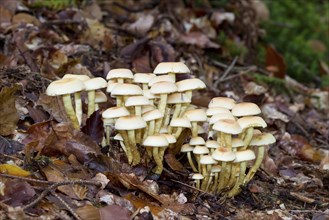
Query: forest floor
pixel 40 43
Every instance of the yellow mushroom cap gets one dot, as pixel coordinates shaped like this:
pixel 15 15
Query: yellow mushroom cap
pixel 190 84
pixel 122 89
pixel 163 78
pixel 95 83
pixel 245 155
pixel 180 122
pixel 143 77
pixel 223 154
pixel 262 139
pixel 163 88
pixel 76 76
pixel 65 86
pixel 115 112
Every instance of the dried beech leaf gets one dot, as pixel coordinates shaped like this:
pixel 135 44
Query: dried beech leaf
pixel 198 39
pixel 54 106
pixel 17 192
pixel 88 212
pixel 114 212
pixel 276 60
pixel 174 163
pixel 94 127
pixel 8 113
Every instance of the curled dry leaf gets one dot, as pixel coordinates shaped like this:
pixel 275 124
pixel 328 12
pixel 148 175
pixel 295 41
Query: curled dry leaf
pixel 94 127
pixel 111 199
pixel 9 116
pixel 142 25
pixel 114 212
pixel 88 212
pixel 271 112
pixel 54 106
pixel 254 89
pixel 198 39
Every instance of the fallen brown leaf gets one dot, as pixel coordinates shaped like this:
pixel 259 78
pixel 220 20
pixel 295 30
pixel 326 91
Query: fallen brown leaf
pixel 198 39
pixel 275 59
pixel 8 116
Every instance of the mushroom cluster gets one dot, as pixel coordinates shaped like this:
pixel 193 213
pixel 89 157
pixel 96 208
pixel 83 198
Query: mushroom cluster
pixel 153 110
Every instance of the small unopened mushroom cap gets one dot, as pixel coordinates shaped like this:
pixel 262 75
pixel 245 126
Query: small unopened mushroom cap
pixel 110 86
pixel 207 159
pixel 216 110
pixel 156 141
pixel 245 109
pixel 190 84
pixel 163 88
pixel 251 121
pixel 170 138
pixel 197 141
pixel 126 89
pixel 115 112
pixel 197 176
pixel 237 142
pixel 152 115
pixel 186 148
pixel 137 101
pixel 163 78
pixel 76 76
pixel 220 116
pixel 100 97
pixel 200 150
pixel 227 126
pixel 121 73
pixel 130 122
pixel 143 77
pixel 171 67
pixel 95 83
pixel 245 155
pixel 177 97
pixel 196 115
pixel 65 86
pixel 262 139
pixel 180 122
pixel 223 102
pixel 118 137
pixel 212 144
pixel 223 154
pixel 216 168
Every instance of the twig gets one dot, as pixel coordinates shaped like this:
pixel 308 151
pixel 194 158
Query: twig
pixel 184 184
pixel 227 71
pixel 66 205
pixel 25 178
pixel 55 185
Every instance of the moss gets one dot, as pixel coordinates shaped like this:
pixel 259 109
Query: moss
pixel 278 85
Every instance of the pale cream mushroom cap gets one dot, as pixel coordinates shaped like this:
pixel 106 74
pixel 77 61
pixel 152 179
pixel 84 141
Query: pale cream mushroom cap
pixel 76 76
pixel 95 83
pixel 118 137
pixel 171 67
pixel 137 101
pixel 207 159
pixel 130 122
pixel 163 88
pixel 197 141
pixel 143 77
pixel 115 112
pixel 227 126
pixel 220 116
pixel 110 86
pixel 120 73
pixel 100 97
pixel 65 86
pixel 262 139
pixel 163 78
pixel 217 110
pixel 147 108
pixel 177 98
pixel 223 102
pixel 216 168
pixel 156 141
pixel 190 84
pixel 170 138
pixel 125 89
pixel 180 122
pixel 186 148
pixel 147 93
pixel 223 154
pixel 245 109
pixel 197 176
pixel 245 155
pixel 200 150
pixel 152 115
pixel 237 142
pixel 251 121
pixel 197 115
pixel 212 144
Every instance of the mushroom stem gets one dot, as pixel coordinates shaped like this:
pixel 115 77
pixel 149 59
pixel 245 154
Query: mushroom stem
pixel 70 111
pixel 158 169
pixel 248 136
pixel 222 176
pixel 190 160
pixel 177 110
pixel 119 101
pixel 127 144
pixel 145 86
pixel 108 134
pixel 254 168
pixel 228 141
pixel 162 108
pixel 78 106
pixel 209 182
pixel 233 176
pixel 197 184
pixel 206 176
pixel 214 187
pixel 183 110
pixel 194 129
pixel 236 188
pixel 178 132
pixel 91 102
pixel 134 151
pixel 167 117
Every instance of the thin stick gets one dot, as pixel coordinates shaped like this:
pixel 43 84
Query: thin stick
pixel 227 71
pixel 66 205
